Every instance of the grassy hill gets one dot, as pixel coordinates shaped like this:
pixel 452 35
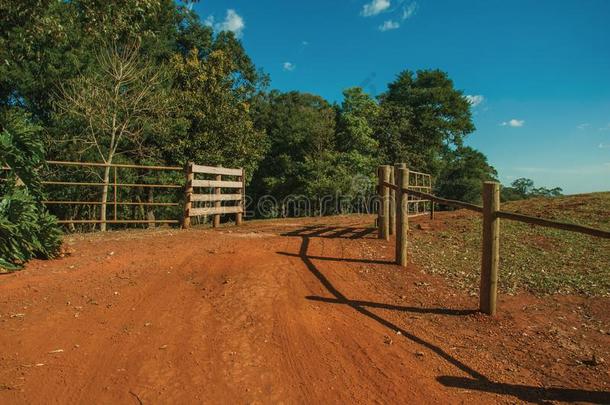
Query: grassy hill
pixel 535 259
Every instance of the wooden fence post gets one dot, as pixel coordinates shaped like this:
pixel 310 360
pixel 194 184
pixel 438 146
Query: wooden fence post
pixel 402 214
pixel 217 203
pixel 491 248
pixel 188 193
pixel 384 204
pixel 393 207
pixel 380 202
pixel 242 203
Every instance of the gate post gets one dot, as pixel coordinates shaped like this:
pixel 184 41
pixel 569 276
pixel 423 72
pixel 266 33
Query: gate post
pixel 393 207
pixel 402 214
pixel 242 203
pixel 188 194
pixel 491 248
pixel 384 204
pixel 217 202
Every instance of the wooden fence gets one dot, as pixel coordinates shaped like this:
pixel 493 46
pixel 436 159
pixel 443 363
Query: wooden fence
pixel 490 256
pixel 194 204
pixel 211 202
pixel 416 181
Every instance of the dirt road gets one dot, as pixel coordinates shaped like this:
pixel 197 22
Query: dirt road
pixel 293 311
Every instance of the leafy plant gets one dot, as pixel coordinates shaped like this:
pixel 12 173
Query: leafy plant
pixel 27 230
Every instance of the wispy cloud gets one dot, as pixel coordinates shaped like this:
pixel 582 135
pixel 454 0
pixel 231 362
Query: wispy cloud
pixel 606 128
pixel 289 67
pixel 409 11
pixel 233 22
pixel 474 100
pixel 513 123
pixel 583 126
pixel 389 25
pixel 305 43
pixel 604 146
pixel 375 7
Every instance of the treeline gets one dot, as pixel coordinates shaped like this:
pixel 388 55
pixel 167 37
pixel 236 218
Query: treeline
pixel 146 82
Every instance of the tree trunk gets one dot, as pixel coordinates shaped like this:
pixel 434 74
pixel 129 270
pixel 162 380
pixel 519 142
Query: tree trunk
pixel 150 212
pixel 104 197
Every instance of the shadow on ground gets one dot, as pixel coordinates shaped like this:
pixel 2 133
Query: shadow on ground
pixel 477 381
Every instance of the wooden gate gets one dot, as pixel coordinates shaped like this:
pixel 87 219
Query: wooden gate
pixel 209 198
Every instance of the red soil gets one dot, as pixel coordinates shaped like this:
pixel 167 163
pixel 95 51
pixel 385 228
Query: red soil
pixel 287 311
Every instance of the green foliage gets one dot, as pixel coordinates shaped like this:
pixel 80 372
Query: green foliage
pixel 26 228
pixel 422 115
pixel 218 129
pixel 205 101
pixel 463 173
pixel 523 188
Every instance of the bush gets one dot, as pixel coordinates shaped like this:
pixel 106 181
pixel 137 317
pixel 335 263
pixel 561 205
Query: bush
pixel 27 230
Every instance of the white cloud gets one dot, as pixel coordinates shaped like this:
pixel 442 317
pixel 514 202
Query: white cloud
pixel 233 22
pixel 513 123
pixel 289 67
pixel 375 7
pixel 474 100
pixel 389 25
pixel 305 43
pixel 604 145
pixel 606 128
pixel 409 11
pixel 583 126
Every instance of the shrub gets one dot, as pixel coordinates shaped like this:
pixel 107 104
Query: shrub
pixel 27 230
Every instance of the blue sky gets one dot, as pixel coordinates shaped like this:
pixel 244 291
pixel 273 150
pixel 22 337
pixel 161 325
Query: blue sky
pixel 540 68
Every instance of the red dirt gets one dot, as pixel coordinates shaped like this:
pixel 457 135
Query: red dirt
pixel 287 311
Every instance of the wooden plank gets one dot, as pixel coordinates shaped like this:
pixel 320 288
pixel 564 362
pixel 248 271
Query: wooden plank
pixel 188 195
pixel 491 248
pixel 217 203
pixel 118 221
pixel 553 224
pixel 216 170
pixel 392 228
pixel 385 203
pixel 69 183
pixel 66 202
pixel 239 217
pixel 125 166
pixel 214 197
pixel 216 183
pixel 215 210
pixel 402 214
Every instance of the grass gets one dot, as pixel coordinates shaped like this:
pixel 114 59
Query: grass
pixel 535 259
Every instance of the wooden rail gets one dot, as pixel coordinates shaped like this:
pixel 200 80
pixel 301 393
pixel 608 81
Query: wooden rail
pixel 491 229
pixel 212 200
pixel 192 205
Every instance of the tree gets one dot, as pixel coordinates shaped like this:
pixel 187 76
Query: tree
pixel 523 188
pixel 301 135
pixel 464 171
pixel 217 129
pixel 421 116
pixel 114 106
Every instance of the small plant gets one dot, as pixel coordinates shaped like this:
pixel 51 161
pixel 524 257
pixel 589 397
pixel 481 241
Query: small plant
pixel 27 230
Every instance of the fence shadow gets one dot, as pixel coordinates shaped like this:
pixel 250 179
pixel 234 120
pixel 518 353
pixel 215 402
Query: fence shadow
pixel 333 232
pixel 477 380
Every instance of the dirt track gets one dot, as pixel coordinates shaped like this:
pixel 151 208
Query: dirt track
pixel 282 311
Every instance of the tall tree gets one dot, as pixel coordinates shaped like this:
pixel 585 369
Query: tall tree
pixel 421 116
pixel 115 106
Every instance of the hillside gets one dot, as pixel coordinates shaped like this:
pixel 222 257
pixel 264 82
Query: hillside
pixel 535 259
